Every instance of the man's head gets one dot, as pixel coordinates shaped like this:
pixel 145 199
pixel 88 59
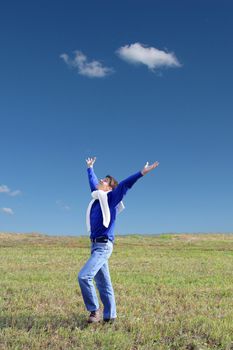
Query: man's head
pixel 107 184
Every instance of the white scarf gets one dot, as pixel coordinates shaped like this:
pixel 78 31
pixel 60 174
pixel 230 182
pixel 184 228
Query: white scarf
pixel 102 196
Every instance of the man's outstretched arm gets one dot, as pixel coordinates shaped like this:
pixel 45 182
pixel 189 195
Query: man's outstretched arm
pixel 93 180
pixel 119 192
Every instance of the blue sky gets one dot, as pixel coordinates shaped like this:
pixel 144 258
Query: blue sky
pixel 127 82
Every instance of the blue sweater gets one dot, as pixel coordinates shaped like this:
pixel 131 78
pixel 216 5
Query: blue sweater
pixel 114 198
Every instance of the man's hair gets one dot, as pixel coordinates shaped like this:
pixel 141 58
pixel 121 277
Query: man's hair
pixel 112 182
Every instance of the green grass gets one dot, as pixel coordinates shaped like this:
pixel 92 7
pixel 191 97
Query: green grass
pixel 173 292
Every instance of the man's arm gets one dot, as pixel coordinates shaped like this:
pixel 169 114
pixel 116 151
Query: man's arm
pixel 93 180
pixel 118 193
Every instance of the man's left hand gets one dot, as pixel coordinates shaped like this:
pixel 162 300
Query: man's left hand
pixel 147 168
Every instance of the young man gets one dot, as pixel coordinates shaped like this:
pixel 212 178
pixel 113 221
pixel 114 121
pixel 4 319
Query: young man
pixel 101 215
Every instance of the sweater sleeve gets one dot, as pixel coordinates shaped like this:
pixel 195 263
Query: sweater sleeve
pixel 119 192
pixel 93 180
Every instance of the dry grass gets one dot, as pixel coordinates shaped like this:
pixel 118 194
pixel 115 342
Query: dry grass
pixel 172 291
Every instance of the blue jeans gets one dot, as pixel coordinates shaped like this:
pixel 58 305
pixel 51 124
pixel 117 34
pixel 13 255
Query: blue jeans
pixel 97 268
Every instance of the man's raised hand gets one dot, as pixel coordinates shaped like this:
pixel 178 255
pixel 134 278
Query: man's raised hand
pixel 147 168
pixel 90 162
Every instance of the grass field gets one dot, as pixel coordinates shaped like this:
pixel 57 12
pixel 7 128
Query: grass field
pixel 172 292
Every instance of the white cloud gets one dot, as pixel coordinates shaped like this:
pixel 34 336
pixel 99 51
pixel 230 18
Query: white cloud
pixel 7 211
pixel 93 69
pixel 15 193
pixel 150 56
pixel 62 205
pixel 4 189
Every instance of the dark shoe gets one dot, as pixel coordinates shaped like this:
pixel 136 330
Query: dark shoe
pixel 94 317
pixel 110 320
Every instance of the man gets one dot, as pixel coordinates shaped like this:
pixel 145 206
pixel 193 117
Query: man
pixel 101 215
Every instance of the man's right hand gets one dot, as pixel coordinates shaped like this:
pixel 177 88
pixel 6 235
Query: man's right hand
pixel 90 162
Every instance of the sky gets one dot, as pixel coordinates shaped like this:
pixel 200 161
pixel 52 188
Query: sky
pixel 127 82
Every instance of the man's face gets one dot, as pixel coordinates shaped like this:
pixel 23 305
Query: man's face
pixel 104 184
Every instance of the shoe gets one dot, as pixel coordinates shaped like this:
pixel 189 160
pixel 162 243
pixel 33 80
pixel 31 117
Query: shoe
pixel 94 317
pixel 110 320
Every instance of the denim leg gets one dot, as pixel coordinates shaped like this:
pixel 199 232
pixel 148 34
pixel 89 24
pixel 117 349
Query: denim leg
pixel 104 285
pixel 99 255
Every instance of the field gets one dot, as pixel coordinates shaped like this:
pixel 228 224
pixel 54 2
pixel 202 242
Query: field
pixel 172 291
